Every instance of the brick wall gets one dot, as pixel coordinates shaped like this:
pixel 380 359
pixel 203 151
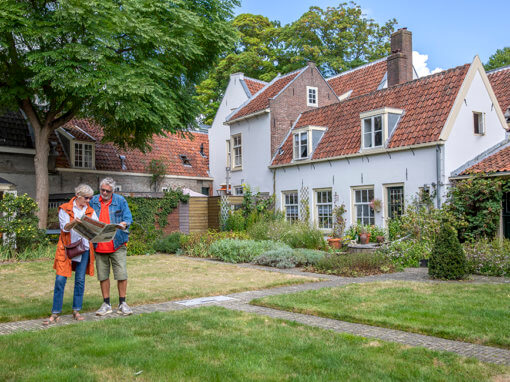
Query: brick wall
pixel 287 106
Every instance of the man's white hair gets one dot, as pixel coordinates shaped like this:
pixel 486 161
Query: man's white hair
pixel 83 190
pixel 109 181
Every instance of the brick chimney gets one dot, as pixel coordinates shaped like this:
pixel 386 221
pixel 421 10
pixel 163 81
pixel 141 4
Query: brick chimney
pixel 400 62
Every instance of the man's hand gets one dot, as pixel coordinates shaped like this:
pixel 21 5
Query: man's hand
pixel 123 224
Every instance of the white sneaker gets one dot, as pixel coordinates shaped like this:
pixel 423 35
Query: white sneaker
pixel 124 309
pixel 104 310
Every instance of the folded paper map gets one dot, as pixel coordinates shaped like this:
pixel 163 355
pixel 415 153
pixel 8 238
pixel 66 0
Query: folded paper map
pixel 96 231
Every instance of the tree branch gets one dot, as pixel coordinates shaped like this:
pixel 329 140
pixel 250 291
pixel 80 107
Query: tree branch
pixel 66 117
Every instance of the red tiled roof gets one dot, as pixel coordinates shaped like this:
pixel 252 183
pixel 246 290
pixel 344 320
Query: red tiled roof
pixel 78 133
pixel 254 85
pixel 361 80
pixel 500 81
pixel 168 148
pixel 498 162
pixel 426 103
pixel 261 101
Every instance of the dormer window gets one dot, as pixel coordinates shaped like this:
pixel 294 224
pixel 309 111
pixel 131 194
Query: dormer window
pixel 306 140
pixel 377 126
pixel 372 132
pixel 311 96
pixel 78 146
pixel 185 160
pixel 83 157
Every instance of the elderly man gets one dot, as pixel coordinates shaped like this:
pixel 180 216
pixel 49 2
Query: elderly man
pixel 112 208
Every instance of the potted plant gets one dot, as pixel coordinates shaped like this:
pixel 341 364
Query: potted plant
pixel 376 204
pixel 335 241
pixel 364 237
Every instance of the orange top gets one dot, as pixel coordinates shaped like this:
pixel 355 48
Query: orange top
pixel 104 216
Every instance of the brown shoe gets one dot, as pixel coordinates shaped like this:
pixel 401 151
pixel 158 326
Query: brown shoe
pixel 54 318
pixel 77 316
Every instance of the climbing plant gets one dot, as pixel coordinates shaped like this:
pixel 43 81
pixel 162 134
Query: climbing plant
pixel 476 202
pixel 157 168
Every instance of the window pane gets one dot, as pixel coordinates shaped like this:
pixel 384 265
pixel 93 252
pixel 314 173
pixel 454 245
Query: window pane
pixel 378 123
pixel 364 196
pixel 367 123
pixel 378 139
pixel 358 196
pixel 367 140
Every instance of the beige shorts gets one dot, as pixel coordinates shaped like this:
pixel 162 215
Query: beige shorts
pixel 117 260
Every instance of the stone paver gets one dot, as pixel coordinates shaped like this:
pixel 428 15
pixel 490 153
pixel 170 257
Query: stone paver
pixel 241 301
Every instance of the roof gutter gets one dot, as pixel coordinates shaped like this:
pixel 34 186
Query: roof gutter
pixel 361 154
pixel 491 175
pixel 246 117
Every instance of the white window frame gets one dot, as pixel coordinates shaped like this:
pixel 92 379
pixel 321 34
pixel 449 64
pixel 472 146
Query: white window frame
pixel 383 113
pixel 237 151
pixel 228 148
pixel 480 122
pixel 296 151
pixel 287 205
pixel 355 204
pixel 118 188
pixel 74 144
pixel 238 190
pixel 312 96
pixel 318 204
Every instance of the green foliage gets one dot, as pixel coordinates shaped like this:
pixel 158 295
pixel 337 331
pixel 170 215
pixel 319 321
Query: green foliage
pixel 488 257
pixel 476 206
pixel 236 221
pixel 141 239
pixel 339 221
pixel 168 244
pixel 242 251
pixel 289 258
pixel 355 230
pixel 447 259
pixel 407 253
pixel 197 244
pixel 42 251
pixel 157 168
pixel 295 235
pixel 336 39
pixel 19 224
pixel 498 59
pixel 354 264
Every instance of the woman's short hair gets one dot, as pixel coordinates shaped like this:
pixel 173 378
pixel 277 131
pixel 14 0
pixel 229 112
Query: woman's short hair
pixel 109 181
pixel 83 190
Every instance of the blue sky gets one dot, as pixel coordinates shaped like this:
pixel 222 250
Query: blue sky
pixel 450 32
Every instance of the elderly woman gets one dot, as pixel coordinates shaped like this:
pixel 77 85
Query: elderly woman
pixel 69 215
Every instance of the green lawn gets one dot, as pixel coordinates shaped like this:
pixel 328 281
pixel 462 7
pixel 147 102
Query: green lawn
pixel 215 344
pixel 26 289
pixel 478 313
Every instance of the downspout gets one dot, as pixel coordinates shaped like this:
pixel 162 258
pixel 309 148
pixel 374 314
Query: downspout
pixel 438 176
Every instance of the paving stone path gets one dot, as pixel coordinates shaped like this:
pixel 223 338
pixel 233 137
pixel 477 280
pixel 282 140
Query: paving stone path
pixel 240 302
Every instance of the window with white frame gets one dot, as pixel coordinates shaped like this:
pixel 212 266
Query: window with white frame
pixel 291 206
pixel 301 145
pixel 237 151
pixel 83 157
pixel 324 208
pixel 479 123
pixel 364 214
pixel 372 132
pixel 395 201
pixel 311 96
pixel 239 190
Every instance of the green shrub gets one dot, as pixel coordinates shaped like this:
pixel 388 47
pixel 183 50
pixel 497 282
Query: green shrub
pixel 289 258
pixel 284 258
pixel 488 257
pixel 406 253
pixel 355 231
pixel 354 264
pixel 295 235
pixel 447 259
pixel 141 239
pixel 197 244
pixel 242 251
pixel 235 222
pixel 42 251
pixel 168 244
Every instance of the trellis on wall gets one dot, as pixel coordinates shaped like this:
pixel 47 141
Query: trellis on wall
pixel 304 204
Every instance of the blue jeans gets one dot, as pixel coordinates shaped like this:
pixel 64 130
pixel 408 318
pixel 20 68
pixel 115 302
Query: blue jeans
pixel 79 286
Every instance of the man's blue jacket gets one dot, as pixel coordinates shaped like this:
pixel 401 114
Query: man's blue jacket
pixel 119 212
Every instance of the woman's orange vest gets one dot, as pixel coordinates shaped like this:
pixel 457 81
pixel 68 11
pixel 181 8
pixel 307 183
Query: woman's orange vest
pixel 62 264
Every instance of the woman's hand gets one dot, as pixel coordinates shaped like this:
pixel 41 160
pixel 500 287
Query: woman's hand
pixel 71 224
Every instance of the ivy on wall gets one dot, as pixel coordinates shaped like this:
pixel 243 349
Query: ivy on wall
pixel 149 211
pixel 476 204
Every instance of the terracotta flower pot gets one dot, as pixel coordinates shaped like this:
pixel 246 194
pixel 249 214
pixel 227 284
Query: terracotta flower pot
pixel 380 239
pixel 364 238
pixel 334 242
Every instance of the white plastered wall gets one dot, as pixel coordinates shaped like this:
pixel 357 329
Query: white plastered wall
pixel 219 132
pixel 256 153
pixel 411 168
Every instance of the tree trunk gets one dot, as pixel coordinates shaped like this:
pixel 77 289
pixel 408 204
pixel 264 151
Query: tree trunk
pixel 42 150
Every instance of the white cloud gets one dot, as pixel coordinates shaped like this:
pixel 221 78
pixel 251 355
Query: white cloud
pixel 420 64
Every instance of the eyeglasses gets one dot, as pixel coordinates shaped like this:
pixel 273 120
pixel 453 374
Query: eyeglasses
pixel 87 197
pixel 107 191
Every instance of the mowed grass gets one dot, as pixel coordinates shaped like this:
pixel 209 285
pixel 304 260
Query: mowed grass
pixel 26 289
pixel 477 313
pixel 215 344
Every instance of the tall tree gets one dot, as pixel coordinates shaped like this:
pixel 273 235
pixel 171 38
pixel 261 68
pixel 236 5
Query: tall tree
pixel 131 65
pixel 336 39
pixel 498 59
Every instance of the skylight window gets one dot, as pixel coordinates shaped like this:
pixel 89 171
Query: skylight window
pixel 185 160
